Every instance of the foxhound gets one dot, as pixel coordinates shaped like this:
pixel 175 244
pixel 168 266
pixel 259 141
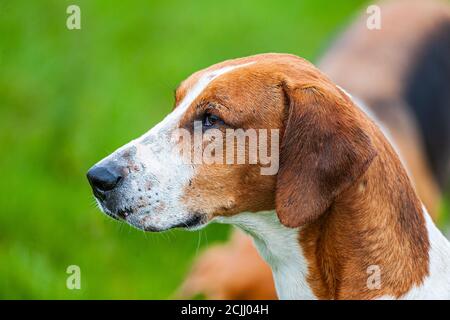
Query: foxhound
pixel 340 206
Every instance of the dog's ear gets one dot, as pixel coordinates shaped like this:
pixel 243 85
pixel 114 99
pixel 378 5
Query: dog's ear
pixel 323 151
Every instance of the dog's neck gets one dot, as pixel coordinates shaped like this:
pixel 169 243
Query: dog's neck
pixel 280 248
pixel 376 226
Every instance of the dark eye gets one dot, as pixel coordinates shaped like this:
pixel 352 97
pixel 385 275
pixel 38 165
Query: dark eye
pixel 210 120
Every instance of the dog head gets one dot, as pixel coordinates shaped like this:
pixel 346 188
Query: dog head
pixel 181 172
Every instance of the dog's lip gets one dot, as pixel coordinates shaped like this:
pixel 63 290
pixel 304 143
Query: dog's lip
pixel 192 222
pixel 118 214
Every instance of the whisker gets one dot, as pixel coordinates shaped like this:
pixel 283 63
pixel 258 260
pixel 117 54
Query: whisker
pixel 198 242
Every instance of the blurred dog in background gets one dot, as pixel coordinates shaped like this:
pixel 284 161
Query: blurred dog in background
pixel 401 73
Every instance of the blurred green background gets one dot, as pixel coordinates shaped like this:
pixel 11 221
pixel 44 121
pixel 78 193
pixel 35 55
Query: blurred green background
pixel 70 97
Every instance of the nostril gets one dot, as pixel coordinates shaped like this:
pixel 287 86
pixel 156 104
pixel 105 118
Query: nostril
pixel 99 194
pixel 104 178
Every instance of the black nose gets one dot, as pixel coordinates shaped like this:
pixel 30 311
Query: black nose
pixel 104 178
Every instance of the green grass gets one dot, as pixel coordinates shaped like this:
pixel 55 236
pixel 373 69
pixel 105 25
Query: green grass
pixel 68 98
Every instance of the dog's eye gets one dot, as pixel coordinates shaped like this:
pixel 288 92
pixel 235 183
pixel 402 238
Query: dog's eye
pixel 210 120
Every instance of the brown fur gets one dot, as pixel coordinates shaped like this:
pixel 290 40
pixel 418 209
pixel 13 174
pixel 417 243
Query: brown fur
pixel 324 149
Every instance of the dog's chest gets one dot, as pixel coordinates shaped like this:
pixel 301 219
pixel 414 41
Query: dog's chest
pixel 279 247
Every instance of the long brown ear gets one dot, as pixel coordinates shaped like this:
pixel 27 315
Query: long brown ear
pixel 324 150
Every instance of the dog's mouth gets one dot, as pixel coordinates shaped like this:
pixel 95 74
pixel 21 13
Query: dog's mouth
pixel 191 223
pixel 142 221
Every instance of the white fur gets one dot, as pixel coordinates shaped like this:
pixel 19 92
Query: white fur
pixel 280 248
pixel 437 284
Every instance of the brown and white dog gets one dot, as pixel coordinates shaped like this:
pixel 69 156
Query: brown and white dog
pixel 341 202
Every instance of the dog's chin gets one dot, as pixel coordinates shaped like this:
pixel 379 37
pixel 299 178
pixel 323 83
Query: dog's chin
pixel 145 223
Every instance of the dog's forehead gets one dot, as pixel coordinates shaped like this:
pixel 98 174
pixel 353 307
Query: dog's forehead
pixel 207 75
pixel 197 85
pixel 259 63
